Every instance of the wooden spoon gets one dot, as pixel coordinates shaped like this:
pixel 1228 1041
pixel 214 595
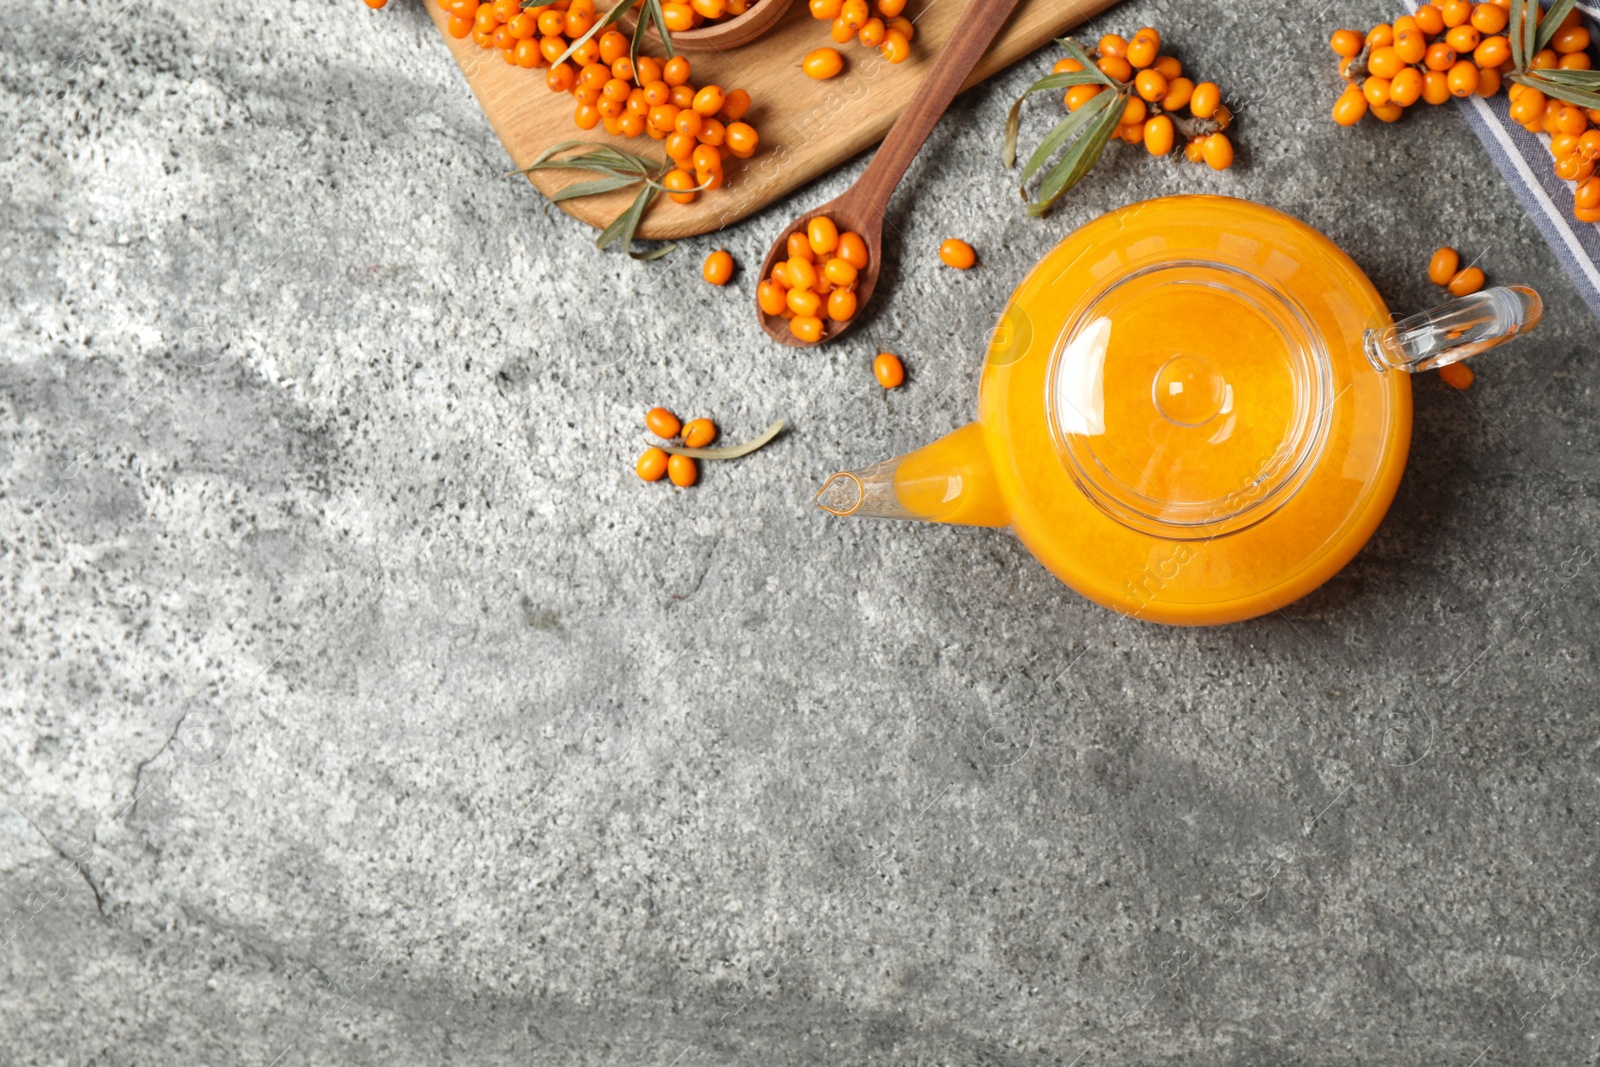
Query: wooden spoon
pixel 861 207
pixel 718 36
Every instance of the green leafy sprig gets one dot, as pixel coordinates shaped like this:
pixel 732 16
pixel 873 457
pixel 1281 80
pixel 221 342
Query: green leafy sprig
pixel 1528 36
pixel 617 170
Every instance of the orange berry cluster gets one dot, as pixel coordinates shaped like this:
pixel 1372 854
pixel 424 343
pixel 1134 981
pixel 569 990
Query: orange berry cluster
pixel 818 278
pixel 680 15
pixel 1153 115
pixel 1456 48
pixel 680 470
pixel 882 25
pixel 701 127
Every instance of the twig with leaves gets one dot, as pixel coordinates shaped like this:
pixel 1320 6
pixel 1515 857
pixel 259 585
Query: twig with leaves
pixel 617 170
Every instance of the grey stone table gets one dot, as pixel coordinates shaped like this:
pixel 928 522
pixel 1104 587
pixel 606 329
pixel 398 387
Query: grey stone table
pixel 360 706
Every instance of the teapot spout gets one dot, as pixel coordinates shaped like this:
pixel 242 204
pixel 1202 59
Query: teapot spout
pixel 1455 330
pixel 950 481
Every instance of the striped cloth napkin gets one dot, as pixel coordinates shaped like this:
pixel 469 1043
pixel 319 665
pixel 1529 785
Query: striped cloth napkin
pixel 1524 159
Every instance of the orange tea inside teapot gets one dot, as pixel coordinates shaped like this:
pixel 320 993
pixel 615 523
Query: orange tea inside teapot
pixel 1192 411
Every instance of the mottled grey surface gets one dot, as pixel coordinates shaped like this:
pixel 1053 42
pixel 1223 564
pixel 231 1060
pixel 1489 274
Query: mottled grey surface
pixel 360 706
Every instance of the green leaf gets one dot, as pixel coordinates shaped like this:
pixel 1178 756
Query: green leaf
pixel 1552 22
pixel 660 19
pixel 1075 50
pixel 623 226
pixel 600 158
pixel 594 188
pixel 1069 127
pixel 599 24
pixel 1076 162
pixel 1014 116
pixel 1581 87
pixel 536 3
pixel 1524 31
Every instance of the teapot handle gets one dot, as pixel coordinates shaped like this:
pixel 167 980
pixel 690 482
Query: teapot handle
pixel 1455 330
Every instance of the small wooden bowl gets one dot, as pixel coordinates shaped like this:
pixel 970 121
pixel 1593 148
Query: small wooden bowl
pixel 718 36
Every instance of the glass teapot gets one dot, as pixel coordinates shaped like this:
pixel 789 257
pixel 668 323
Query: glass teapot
pixel 1194 410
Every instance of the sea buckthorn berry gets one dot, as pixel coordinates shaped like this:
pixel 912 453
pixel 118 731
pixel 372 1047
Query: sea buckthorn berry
pixel 822 235
pixel 1079 95
pixel 891 9
pixel 822 63
pixel 664 117
pixel 698 433
pixel 1143 48
pixel 709 9
pixel 825 10
pixel 1348 109
pixel 772 297
pixel 840 31
pixel 560 78
pixel 1492 51
pixel 1443 266
pixel 736 105
pixel 1574 168
pixel 1115 67
pixel 1151 85
pixel 1218 151
pixel 1456 12
pixel 802 273
pixel 1179 92
pixel 957 253
pixel 1436 87
pixel 678 17
pixel 652 465
pixel 1570 39
pixel 1576 61
pixel 888 369
pixel 708 101
pixel 1346 43
pixel 676 71
pixel 1463 78
pixel 680 148
pixel 712 133
pixel 1587 195
pixel 1528 105
pixel 1195 149
pixel 680 185
pixel 741 139
pixel 1384 62
pixel 688 121
pixel 1376 90
pixel 1380 35
pixel 631 124
pixel 622 68
pixel 662 422
pixel 718 268
pixel 798 246
pixel 1204 100
pixel 896 47
pixel 840 271
pixel 871 33
pixel 1489 19
pixel 1456 375
pixel 842 305
pixel 1066 65
pixel 807 328
pixel 1545 59
pixel 1563 144
pixel 1410 46
pixel 1133 111
pixel 1158 135
pixel 853 249
pixel 1429 20
pixel 1440 56
pixel 524 26
pixel 646 70
pixel 587 116
pixel 804 301
pixel 1488 81
pixel 1131 132
pixel 1390 112
pixel 1571 120
pixel 610 109
pixel 1466 282
pixel 1462 38
pixel 459 27
pixel 1405 88
pixel 1586 214
pixel 578 22
pixel 1113 44
pixel 1168 67
pixel 682 471
pixel 613 45
pixel 587 52
pixel 1589 144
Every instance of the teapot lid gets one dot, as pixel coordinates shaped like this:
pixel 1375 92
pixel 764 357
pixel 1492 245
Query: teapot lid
pixel 1190 398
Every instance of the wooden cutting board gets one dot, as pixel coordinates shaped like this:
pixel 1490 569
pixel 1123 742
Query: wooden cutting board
pixel 806 126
